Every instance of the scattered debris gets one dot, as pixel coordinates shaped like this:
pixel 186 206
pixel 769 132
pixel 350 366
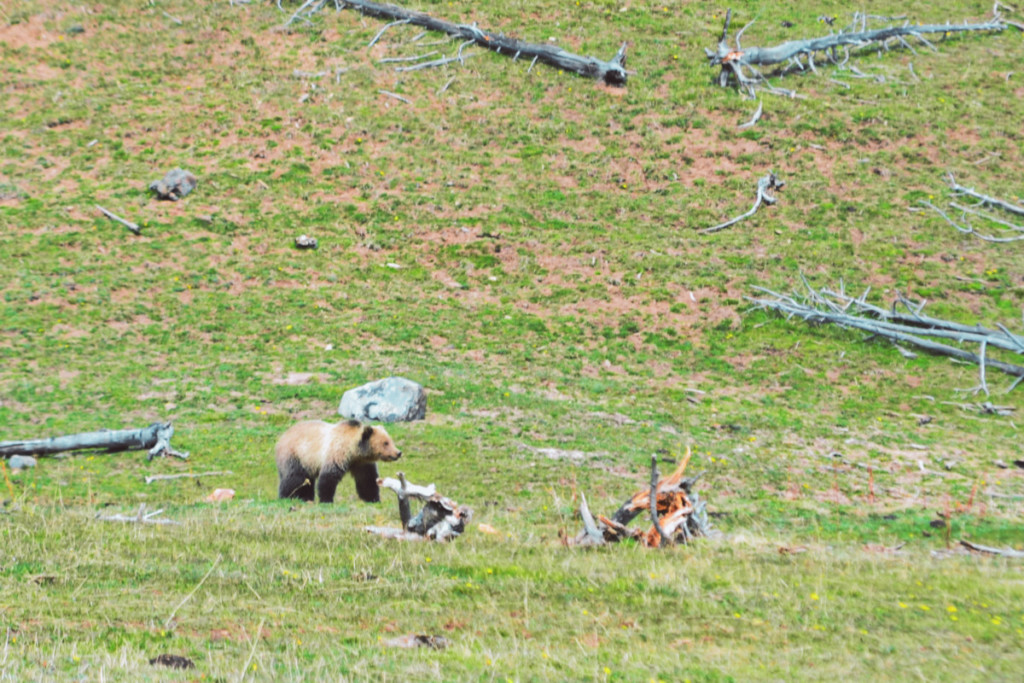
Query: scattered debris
pixel 611 72
pixel 441 518
pixel 173 662
pixel 134 227
pixel 175 185
pixel 826 306
pixel 141 517
pixel 988 550
pixel 677 513
pixel 755 118
pixel 305 242
pixel 220 495
pixel 765 185
pixel 985 408
pixel 413 641
pixel 188 475
pixel 156 437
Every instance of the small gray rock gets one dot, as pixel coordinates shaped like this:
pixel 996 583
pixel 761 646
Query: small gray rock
pixel 21 462
pixel 175 185
pixel 394 399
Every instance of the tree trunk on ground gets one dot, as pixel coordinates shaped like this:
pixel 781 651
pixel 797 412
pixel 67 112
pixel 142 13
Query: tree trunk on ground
pixel 156 438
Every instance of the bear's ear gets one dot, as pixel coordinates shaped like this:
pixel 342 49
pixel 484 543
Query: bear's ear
pixel 367 433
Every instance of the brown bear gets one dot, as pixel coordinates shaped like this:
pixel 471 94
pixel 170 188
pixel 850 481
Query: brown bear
pixel 317 453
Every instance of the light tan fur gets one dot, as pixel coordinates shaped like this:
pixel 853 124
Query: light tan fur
pixel 315 443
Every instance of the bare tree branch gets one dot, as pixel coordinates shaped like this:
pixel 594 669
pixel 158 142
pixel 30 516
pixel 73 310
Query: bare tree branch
pixel 825 306
pixel 765 185
pixel 612 72
pixel 739 64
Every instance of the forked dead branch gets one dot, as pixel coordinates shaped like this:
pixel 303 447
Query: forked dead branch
pixel 612 71
pixel 909 327
pixel 676 512
pixel 739 65
pixel 766 185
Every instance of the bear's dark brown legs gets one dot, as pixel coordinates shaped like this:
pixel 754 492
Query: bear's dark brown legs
pixel 328 483
pixel 295 483
pixel 366 475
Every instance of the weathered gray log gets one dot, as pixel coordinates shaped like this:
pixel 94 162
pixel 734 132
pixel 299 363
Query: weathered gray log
pixel 612 72
pixel 156 438
pixel 739 64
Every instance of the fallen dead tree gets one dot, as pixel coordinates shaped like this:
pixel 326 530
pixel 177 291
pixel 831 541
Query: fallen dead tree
pixel 156 438
pixel 739 64
pixel 676 512
pixel 441 519
pixel 765 186
pixel 612 72
pixel 909 327
pixel 1012 232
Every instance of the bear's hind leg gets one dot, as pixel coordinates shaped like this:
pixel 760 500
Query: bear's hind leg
pixel 295 483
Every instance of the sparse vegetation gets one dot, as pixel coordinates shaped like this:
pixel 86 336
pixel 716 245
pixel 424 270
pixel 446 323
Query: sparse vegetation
pixel 526 247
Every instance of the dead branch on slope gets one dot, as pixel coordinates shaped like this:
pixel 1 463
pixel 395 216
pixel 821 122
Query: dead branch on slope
pixel 612 72
pixel 441 519
pixel 1012 232
pixel 677 513
pixel 765 185
pixel 140 517
pixel 156 438
pixel 910 327
pixel 739 64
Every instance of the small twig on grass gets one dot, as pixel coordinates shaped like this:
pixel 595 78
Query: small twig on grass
pixel 141 517
pixel 765 185
pixel 165 477
pixel 126 223
pixel 167 622
pixel 385 28
pixel 444 87
pixel 395 96
pixel 755 118
pixel 174 19
pixel 413 58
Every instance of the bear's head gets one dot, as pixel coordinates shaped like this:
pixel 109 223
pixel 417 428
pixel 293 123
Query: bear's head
pixel 377 444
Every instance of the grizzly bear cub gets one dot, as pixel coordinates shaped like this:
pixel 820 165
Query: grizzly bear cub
pixel 318 454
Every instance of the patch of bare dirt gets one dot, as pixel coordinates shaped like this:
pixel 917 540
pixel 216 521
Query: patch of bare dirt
pixel 32 33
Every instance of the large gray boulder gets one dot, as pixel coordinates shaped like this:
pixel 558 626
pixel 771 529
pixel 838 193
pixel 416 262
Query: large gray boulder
pixel 394 399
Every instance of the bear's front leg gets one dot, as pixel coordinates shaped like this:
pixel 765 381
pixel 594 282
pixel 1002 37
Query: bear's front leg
pixel 366 475
pixel 328 482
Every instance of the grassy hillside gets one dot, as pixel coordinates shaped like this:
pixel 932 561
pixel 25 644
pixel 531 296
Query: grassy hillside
pixel 524 244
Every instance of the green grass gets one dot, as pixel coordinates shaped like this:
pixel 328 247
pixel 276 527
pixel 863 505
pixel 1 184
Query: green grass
pixel 550 275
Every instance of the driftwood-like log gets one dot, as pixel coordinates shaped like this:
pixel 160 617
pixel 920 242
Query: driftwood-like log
pixel 989 550
pixel 765 186
pixel 826 306
pixel 612 72
pixel 156 438
pixel 739 64
pixel 676 511
pixel 441 518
